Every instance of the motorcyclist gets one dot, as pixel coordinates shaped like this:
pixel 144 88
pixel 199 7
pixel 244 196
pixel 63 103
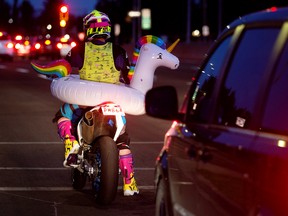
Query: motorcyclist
pixel 97 60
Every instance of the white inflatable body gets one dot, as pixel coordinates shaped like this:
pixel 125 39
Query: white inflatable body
pixel 71 89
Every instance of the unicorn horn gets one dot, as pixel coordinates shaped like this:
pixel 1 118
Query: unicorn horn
pixel 172 46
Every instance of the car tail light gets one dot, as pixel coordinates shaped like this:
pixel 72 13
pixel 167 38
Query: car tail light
pixel 18 37
pixel 59 45
pixel 17 46
pixel 73 44
pixel 9 45
pixel 37 46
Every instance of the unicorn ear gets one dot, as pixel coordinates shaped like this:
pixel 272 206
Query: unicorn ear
pixel 172 46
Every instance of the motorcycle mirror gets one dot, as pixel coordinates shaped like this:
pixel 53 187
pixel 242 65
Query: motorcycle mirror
pixel 172 46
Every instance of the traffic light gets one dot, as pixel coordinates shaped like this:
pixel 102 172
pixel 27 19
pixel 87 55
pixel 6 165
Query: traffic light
pixel 63 15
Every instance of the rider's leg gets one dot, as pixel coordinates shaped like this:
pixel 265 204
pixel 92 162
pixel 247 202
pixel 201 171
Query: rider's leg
pixel 70 143
pixel 126 166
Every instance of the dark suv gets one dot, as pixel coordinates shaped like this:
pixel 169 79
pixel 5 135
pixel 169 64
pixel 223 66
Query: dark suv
pixel 226 152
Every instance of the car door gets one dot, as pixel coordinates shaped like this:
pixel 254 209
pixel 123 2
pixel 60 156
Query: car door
pixel 182 153
pixel 271 145
pixel 225 177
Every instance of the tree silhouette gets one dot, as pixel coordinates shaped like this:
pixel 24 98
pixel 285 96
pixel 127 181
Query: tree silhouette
pixel 5 16
pixel 26 19
pixel 50 16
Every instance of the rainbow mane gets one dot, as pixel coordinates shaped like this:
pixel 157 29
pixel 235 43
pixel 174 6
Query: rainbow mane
pixel 55 69
pixel 143 40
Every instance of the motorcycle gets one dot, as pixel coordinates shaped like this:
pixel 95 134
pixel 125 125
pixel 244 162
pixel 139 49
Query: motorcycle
pixel 98 156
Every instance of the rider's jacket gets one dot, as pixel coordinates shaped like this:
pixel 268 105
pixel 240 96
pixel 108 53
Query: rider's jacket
pixel 99 64
pixel 76 58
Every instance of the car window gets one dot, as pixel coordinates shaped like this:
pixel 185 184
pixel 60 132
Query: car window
pixel 202 92
pixel 276 99
pixel 238 95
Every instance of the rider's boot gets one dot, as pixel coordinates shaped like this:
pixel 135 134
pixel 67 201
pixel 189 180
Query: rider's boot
pixel 129 183
pixel 71 152
pixel 70 143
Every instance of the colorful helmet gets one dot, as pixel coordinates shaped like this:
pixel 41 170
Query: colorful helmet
pixel 97 24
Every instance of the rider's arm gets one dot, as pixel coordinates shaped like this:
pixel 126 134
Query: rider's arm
pixel 63 118
pixel 67 118
pixel 68 112
pixel 122 63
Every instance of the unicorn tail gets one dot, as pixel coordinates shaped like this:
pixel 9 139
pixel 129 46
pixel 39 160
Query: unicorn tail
pixel 56 69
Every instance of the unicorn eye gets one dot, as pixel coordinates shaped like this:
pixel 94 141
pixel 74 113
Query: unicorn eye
pixel 159 56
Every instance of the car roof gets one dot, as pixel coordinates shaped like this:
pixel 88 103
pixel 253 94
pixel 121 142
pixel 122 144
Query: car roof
pixel 273 14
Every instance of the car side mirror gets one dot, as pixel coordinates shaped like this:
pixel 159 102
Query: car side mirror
pixel 162 102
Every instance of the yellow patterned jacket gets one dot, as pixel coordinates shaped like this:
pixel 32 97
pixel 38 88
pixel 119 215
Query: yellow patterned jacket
pixel 98 64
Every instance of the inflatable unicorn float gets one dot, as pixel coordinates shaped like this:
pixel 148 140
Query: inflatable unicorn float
pixel 149 53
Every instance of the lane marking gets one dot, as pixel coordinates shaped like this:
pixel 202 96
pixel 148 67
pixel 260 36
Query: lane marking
pixel 41 142
pixel 144 187
pixel 22 70
pixel 57 168
pixel 42 76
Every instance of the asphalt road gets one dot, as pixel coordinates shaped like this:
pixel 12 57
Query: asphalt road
pixel 33 180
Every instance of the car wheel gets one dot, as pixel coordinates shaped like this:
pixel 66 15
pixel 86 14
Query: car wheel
pixel 162 208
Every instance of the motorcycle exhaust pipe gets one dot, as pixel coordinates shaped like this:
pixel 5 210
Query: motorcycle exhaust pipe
pixel 88 118
pixel 95 124
pixel 88 127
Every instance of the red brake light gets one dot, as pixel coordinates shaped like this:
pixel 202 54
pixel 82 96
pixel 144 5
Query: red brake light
pixel 17 46
pixel 37 46
pixel 18 37
pixel 10 45
pixel 73 44
pixel 59 45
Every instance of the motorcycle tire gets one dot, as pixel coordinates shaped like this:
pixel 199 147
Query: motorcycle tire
pixel 106 148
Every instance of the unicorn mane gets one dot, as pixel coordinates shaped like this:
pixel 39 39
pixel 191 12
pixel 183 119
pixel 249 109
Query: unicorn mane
pixel 143 40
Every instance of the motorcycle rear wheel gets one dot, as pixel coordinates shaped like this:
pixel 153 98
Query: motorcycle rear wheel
pixel 107 149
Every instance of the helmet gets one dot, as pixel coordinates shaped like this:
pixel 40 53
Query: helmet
pixel 97 24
